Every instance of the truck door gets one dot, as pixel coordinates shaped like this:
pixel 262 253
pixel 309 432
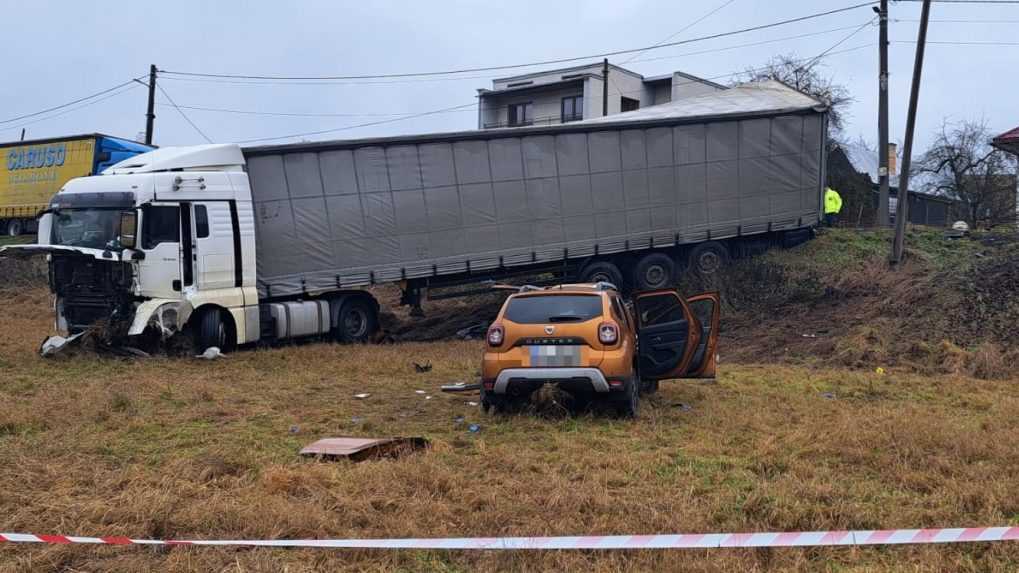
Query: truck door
pixel 159 273
pixel 213 240
pixel 706 307
pixel 668 334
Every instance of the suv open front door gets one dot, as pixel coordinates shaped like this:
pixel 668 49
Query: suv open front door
pixel 673 342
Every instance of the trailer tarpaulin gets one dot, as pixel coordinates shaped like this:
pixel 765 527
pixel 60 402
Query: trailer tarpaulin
pixel 348 213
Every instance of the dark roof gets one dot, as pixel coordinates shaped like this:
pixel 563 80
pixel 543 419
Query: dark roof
pixel 532 87
pixel 1008 141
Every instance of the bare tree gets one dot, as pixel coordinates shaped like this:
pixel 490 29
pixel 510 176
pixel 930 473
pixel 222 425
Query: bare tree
pixel 804 74
pixel 963 166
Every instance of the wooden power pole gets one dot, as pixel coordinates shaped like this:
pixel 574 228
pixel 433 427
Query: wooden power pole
pixel 150 116
pixel 902 205
pixel 882 117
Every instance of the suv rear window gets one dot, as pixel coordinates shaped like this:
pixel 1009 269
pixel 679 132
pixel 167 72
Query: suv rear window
pixel 553 308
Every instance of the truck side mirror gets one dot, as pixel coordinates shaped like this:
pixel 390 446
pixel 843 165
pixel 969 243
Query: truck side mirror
pixel 128 229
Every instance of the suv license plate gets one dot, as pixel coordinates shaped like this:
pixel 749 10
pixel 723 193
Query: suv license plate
pixel 543 355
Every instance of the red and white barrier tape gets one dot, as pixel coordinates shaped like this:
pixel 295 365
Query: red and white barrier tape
pixel 677 541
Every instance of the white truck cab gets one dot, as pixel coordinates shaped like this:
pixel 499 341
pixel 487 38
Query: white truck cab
pixel 166 240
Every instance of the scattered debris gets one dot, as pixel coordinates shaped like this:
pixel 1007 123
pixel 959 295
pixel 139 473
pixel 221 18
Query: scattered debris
pixel 428 397
pixel 295 430
pixel 360 449
pixel 683 407
pixel 422 368
pixel 471 403
pixel 828 395
pixel 54 345
pixel 879 371
pixel 474 428
pixel 361 396
pixel 356 419
pixel 459 420
pixel 460 387
pixel 473 331
pixel 809 335
pixel 211 353
pixel 420 392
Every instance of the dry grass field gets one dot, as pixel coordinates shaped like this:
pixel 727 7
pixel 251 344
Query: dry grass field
pixel 187 448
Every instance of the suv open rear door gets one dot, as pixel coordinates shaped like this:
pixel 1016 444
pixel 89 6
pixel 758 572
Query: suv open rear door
pixel 672 338
pixel 668 334
pixel 706 307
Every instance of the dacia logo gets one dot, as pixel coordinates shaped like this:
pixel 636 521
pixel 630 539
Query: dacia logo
pixel 549 330
pixel 36 157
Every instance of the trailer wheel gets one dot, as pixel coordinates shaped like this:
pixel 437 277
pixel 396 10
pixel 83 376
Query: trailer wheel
pixel 654 271
pixel 357 321
pixel 213 330
pixel 708 258
pixel 14 228
pixel 602 271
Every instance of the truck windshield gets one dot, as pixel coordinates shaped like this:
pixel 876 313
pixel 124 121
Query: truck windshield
pixel 89 228
pixel 553 308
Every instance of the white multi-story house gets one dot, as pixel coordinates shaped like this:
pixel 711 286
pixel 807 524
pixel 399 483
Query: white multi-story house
pixel 570 94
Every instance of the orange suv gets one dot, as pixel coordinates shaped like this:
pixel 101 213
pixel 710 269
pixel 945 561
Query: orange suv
pixel 591 343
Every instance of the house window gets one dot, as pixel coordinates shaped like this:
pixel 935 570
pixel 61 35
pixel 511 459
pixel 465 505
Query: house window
pixel 520 114
pixel 573 108
pixel 629 104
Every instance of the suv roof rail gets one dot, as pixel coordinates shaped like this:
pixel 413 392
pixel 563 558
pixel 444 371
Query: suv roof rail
pixel 605 285
pixel 529 288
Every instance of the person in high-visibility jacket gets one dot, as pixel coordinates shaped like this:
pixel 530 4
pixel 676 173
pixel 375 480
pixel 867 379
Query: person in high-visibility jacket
pixel 832 206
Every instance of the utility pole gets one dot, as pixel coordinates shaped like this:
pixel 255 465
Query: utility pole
pixel 150 117
pixel 902 205
pixel 882 117
pixel 605 87
pixel 22 134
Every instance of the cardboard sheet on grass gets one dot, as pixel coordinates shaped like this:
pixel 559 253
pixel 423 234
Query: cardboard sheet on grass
pixel 360 449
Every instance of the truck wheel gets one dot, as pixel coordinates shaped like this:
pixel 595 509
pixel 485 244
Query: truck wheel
pixel 212 330
pixel 357 321
pixel 628 405
pixel 654 271
pixel 602 271
pixel 14 228
pixel 708 258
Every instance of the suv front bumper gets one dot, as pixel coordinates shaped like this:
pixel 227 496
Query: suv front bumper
pixel 593 376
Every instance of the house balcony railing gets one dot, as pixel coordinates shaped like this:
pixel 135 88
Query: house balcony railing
pixel 547 120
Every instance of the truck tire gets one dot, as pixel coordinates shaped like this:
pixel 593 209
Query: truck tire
pixel 602 271
pixel 212 330
pixel 654 271
pixel 15 227
pixel 357 321
pixel 708 258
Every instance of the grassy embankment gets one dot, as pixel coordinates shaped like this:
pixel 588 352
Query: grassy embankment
pixel 194 449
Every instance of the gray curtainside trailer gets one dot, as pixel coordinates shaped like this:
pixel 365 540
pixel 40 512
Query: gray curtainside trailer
pixel 747 162
pixel 274 243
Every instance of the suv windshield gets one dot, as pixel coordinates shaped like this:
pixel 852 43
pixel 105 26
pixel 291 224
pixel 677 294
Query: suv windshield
pixel 554 308
pixel 89 228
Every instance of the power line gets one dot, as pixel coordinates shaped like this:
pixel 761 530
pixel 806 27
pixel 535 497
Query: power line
pixel 750 44
pixel 73 109
pixel 182 114
pixel 68 104
pixel 959 21
pixel 292 114
pixel 828 52
pixel 837 44
pixel 489 76
pixel 967 1
pixel 683 29
pixel 950 43
pixel 531 64
pixel 348 127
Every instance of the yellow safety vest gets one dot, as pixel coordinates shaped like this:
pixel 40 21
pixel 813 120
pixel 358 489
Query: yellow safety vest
pixel 832 201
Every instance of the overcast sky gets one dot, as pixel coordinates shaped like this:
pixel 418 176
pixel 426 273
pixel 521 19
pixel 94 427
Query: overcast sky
pixel 60 51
